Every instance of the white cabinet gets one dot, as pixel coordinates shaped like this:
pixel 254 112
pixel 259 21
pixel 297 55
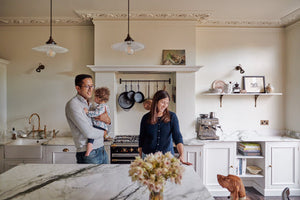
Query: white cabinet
pixel 60 154
pixel 193 154
pixel 282 168
pixel 1 159
pixel 65 154
pixel 218 158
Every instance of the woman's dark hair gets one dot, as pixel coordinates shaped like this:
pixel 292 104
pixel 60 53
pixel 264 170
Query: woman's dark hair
pixel 79 78
pixel 161 94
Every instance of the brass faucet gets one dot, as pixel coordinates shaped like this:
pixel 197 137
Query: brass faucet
pixel 39 126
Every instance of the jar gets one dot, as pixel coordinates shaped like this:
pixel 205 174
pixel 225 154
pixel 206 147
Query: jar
pixel 236 88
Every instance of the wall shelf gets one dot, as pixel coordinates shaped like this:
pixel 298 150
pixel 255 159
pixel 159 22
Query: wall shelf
pixel 143 68
pixel 256 95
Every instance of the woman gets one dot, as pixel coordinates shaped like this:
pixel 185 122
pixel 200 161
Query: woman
pixel 159 128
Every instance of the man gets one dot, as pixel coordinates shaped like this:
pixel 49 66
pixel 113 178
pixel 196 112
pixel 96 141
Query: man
pixel 81 125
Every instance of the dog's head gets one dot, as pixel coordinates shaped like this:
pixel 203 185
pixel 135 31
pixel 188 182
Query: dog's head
pixel 231 182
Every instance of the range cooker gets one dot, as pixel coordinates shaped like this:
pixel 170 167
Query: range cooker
pixel 124 149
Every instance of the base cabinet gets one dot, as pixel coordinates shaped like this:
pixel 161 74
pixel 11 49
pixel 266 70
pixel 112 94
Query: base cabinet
pixel 279 161
pixel 218 158
pixel 193 154
pixel 282 168
pixel 60 154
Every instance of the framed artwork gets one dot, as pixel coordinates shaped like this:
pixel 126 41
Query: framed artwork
pixel 254 84
pixel 173 57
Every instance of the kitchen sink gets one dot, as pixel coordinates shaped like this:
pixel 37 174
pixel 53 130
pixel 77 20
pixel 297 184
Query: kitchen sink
pixel 30 142
pixel 24 148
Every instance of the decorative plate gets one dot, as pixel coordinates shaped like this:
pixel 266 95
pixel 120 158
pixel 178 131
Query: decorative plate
pixel 218 84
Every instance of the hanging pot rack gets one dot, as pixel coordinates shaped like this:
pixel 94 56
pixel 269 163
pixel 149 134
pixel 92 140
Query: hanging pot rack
pixel 140 81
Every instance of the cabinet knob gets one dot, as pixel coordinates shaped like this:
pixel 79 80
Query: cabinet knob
pixel 270 165
pixel 231 166
pixel 65 150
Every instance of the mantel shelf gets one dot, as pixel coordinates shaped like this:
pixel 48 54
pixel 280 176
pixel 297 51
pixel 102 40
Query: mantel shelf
pixel 256 95
pixel 144 68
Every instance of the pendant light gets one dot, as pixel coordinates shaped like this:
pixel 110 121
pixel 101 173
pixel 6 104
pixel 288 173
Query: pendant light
pixel 50 47
pixel 129 45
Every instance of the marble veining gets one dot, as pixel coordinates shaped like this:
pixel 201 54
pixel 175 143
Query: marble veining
pixel 73 181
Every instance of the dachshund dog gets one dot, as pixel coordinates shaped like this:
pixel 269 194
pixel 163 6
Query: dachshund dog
pixel 234 185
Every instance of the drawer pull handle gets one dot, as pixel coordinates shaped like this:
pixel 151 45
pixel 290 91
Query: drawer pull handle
pixel 65 150
pixel 231 166
pixel 270 165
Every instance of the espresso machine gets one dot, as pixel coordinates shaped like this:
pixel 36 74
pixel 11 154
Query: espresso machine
pixel 207 127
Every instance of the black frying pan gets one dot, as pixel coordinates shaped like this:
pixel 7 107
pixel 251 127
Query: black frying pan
pixel 123 100
pixel 130 94
pixel 139 96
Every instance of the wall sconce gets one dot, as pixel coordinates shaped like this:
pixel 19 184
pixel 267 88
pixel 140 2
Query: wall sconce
pixel 40 67
pixel 239 67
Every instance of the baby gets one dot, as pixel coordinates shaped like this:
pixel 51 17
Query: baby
pixel 101 98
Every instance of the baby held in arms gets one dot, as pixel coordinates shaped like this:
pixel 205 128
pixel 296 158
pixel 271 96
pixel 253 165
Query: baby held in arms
pixel 101 98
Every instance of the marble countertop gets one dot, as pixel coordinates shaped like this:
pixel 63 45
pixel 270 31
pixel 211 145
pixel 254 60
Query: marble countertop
pixel 68 141
pixel 240 136
pixel 75 181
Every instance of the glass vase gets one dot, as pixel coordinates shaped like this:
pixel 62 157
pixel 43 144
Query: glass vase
pixel 156 195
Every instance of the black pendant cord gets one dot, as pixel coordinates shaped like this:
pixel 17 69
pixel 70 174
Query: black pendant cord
pixel 127 16
pixel 51 18
pixel 50 41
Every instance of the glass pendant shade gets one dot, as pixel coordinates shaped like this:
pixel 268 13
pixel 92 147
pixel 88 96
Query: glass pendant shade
pixel 129 45
pixel 51 48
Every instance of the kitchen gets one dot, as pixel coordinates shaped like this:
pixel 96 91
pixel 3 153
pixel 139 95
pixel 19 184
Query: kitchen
pixel 263 48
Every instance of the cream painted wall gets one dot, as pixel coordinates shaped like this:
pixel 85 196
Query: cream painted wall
pixel 3 94
pixel 292 77
pixel 260 51
pixel 47 92
pixel 155 35
pixel 219 50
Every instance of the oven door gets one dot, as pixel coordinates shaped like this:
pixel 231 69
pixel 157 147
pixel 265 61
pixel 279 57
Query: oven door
pixel 123 154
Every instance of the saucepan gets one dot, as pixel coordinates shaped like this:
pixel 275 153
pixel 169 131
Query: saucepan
pixel 147 103
pixel 124 101
pixel 138 96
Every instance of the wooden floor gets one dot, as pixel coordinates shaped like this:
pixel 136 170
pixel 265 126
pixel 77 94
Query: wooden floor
pixel 253 194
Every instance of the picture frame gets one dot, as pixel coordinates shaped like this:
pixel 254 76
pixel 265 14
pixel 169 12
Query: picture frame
pixel 254 84
pixel 173 57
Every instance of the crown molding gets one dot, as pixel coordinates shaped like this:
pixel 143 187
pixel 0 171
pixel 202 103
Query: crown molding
pixel 43 21
pixel 143 15
pixel 203 18
pixel 240 23
pixel 291 18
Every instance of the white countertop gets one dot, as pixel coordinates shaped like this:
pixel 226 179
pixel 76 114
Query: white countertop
pixel 78 181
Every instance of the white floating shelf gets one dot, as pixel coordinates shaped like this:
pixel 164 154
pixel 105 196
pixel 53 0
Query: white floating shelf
pixel 256 95
pixel 143 68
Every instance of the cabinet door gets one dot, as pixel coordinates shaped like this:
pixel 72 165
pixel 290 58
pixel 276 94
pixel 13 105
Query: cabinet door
pixel 282 165
pixel 218 158
pixel 60 154
pixel 193 154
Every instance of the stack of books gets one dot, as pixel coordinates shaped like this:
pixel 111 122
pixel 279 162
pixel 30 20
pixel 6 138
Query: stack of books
pixel 249 149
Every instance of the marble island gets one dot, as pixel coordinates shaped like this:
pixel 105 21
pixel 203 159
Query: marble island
pixel 74 181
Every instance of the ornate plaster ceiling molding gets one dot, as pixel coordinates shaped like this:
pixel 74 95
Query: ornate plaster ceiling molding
pixel 42 21
pixel 240 23
pixel 291 18
pixel 164 15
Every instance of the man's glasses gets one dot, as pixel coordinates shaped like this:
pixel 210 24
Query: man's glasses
pixel 88 87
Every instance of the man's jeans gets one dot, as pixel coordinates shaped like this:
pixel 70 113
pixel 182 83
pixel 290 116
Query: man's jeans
pixel 97 156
